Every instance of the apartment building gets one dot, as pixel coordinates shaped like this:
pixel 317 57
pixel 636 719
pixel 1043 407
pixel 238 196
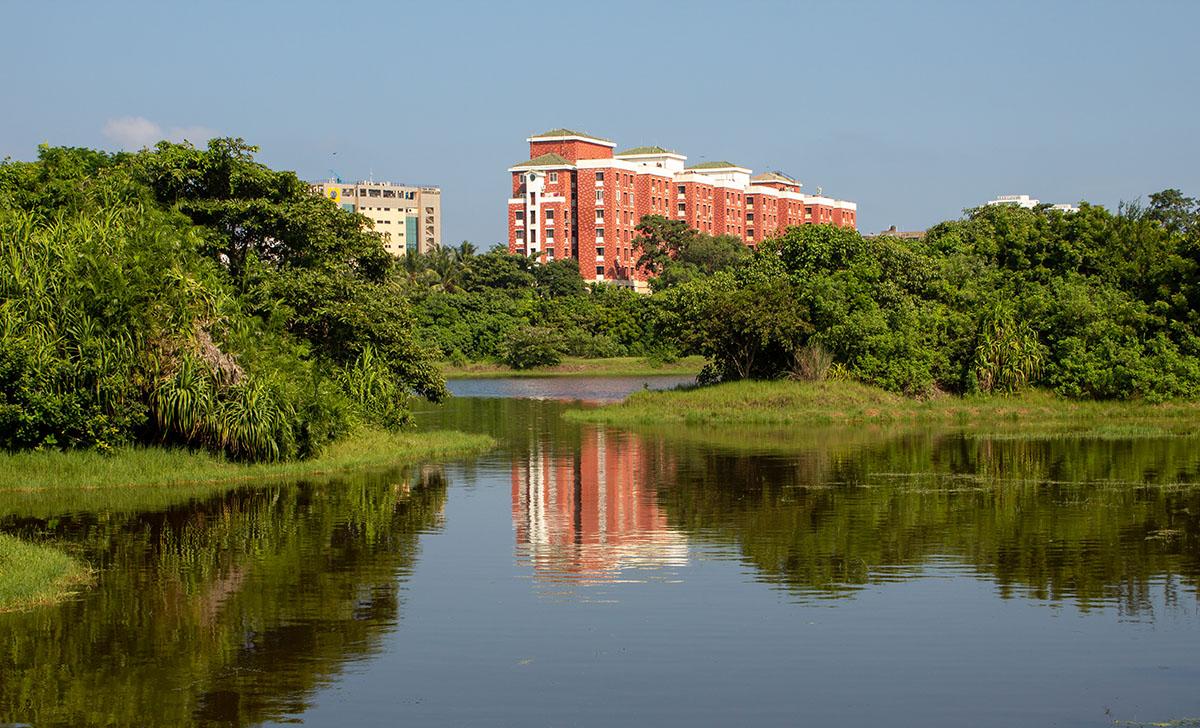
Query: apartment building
pixel 408 218
pixel 576 197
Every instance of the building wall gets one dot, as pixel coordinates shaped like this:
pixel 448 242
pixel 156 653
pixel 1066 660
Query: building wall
pixel 406 217
pixel 610 198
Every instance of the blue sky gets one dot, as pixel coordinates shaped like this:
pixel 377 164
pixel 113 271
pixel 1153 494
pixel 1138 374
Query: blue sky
pixel 914 110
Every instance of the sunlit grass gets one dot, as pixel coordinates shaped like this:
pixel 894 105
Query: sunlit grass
pixel 38 483
pixel 32 575
pixel 851 403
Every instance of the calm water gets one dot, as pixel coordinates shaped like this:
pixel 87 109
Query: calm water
pixel 589 576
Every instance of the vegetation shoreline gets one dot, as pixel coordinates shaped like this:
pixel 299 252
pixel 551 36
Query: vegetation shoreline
pixel 156 467
pixel 849 403
pixel 42 483
pixel 617 366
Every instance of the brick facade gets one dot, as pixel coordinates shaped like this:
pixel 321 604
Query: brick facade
pixel 574 198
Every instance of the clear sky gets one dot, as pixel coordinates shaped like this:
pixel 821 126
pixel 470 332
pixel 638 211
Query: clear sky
pixel 914 110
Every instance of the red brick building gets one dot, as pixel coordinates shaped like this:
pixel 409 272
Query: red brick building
pixel 575 198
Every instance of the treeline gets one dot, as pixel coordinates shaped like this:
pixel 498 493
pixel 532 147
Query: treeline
pixel 1091 304
pixel 504 307
pixel 194 297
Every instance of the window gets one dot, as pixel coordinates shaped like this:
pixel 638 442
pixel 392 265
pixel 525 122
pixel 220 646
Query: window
pixel 520 236
pixel 347 192
pixel 520 216
pixel 749 217
pixel 549 217
pixel 554 176
pixel 599 235
pixel 682 208
pixel 599 195
pixel 549 235
pixel 682 189
pixel 599 215
pixel 533 217
pixel 409 195
pixel 533 236
pixel 599 253
pixel 600 270
pixel 749 232
pixel 389 193
pixel 599 176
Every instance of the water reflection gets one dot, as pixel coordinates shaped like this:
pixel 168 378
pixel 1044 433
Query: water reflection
pixel 233 611
pixel 1091 522
pixel 823 512
pixel 586 513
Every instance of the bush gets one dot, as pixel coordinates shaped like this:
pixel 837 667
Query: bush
pixel 534 346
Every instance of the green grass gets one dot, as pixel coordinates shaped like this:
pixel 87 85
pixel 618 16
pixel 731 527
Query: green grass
pixel 621 366
pixel 851 403
pixel 43 483
pixel 32 575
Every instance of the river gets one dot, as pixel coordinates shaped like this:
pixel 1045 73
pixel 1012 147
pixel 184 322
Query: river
pixel 579 575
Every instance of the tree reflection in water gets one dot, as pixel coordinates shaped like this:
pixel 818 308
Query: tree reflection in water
pixel 233 611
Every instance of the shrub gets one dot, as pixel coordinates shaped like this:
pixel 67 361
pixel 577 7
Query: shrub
pixel 534 346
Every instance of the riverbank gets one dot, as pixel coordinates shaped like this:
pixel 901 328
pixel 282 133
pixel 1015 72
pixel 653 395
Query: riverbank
pixel 32 575
pixel 850 403
pixel 39 483
pixel 621 366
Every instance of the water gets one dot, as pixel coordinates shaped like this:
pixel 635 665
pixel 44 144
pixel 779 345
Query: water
pixel 588 576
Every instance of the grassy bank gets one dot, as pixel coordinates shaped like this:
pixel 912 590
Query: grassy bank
pixel 43 483
pixel 32 575
pixel 622 366
pixel 850 403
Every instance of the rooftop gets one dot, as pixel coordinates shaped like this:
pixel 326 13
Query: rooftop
pixel 569 133
pixel 716 165
pixel 774 177
pixel 645 150
pixel 544 160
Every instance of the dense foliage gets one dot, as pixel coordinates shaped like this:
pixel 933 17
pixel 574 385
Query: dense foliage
pixel 505 307
pixel 193 296
pixel 1091 304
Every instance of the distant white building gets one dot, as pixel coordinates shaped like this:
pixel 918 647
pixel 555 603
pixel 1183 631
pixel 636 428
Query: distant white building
pixel 1029 203
pixel 1016 200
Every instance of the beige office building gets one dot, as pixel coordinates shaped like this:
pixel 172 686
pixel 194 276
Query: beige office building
pixel 409 218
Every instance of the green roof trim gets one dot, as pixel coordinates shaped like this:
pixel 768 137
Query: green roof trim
pixel 644 150
pixel 570 132
pixel 544 160
pixel 715 165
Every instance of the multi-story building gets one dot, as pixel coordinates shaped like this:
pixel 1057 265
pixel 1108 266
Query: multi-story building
pixel 577 198
pixel 409 218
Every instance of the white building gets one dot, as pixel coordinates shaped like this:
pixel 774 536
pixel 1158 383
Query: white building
pixel 1029 203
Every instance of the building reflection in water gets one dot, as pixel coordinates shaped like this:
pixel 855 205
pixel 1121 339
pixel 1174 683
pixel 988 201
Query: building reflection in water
pixel 590 514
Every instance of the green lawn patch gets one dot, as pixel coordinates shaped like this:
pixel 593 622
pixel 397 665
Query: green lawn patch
pixel 32 575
